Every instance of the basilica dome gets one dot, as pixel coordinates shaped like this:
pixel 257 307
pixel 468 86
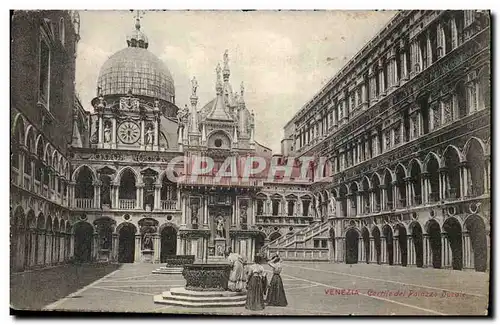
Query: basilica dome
pixel 135 69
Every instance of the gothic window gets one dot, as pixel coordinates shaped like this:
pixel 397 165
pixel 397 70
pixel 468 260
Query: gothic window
pixel 62 31
pixel 397 132
pixel 44 73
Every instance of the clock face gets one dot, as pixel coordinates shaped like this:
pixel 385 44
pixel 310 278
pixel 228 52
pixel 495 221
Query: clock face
pixel 129 132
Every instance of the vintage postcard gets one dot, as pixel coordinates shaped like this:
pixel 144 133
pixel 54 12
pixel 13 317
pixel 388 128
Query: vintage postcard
pixel 251 162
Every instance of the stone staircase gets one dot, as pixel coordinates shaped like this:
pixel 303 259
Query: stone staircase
pixel 299 246
pixel 204 299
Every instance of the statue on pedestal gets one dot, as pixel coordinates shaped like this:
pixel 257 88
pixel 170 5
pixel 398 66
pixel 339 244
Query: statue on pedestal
pixel 107 133
pixel 149 135
pixel 220 231
pixel 147 241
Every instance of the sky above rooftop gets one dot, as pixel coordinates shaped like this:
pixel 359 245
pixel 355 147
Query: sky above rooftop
pixel 283 58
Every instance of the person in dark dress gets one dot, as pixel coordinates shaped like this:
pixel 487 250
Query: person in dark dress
pixel 256 285
pixel 276 293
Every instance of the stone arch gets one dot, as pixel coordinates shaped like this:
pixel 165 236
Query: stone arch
pixel 401 232
pixel 40 221
pixel 390 173
pixel 470 141
pixel 476 171
pixel 402 167
pixel 432 165
pixel 123 169
pixel 431 155
pixel 128 224
pixel 451 162
pixel 39 147
pixel 223 136
pixel 46 154
pixel 453 229
pixel 352 235
pixel 375 177
pixel 29 140
pixel 477 234
pixel 484 81
pixel 446 151
pixel 168 240
pixel 411 165
pixel 56 225
pixel 274 235
pixel 376 234
pixel 365 234
pixel 77 171
pixel 18 125
pixel 83 236
pixel 433 230
pixel 48 223
pixel 388 232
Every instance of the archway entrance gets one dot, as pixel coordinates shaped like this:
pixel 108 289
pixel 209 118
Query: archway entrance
pixel 434 232
pixel 418 243
pixel 351 240
pixel 126 244
pixel 389 244
pixel 403 244
pixel 477 233
pixel 378 244
pixel 83 242
pixel 260 241
pixel 454 232
pixel 168 243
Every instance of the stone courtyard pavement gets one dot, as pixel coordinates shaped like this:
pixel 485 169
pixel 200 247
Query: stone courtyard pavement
pixel 311 288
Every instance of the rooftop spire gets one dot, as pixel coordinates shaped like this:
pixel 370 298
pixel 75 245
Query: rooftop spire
pixel 226 72
pixel 218 82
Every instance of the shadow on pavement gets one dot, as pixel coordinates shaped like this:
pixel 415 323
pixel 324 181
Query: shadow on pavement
pixel 37 289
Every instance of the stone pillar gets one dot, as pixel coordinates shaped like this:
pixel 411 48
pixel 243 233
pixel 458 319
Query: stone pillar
pixel 410 249
pixel 179 246
pixel 156 247
pixel 45 248
pixel 383 250
pixel 427 251
pixel 113 133
pixel 97 195
pixel 381 75
pixel 142 134
pixel 114 248
pixel 396 251
pixel 373 257
pixel 139 196
pixel 467 251
pixel 444 250
pixel 101 130
pixel 137 255
pixel 465 180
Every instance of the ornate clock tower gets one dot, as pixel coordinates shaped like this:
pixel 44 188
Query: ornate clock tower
pixel 135 103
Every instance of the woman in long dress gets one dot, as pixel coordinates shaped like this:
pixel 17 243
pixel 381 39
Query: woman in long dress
pixel 276 293
pixel 237 276
pixel 256 285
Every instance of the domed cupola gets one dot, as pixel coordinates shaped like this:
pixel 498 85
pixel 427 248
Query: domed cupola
pixel 136 71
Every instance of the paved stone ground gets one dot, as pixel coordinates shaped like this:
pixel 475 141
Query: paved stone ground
pixel 310 289
pixel 36 289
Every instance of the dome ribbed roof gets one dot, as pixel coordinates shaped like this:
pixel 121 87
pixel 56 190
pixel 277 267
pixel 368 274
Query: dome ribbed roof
pixel 139 70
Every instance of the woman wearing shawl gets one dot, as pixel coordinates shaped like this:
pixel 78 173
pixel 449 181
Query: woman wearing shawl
pixel 276 292
pixel 256 285
pixel 237 276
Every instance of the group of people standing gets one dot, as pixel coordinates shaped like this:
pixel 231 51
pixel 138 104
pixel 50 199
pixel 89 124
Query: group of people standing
pixel 260 293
